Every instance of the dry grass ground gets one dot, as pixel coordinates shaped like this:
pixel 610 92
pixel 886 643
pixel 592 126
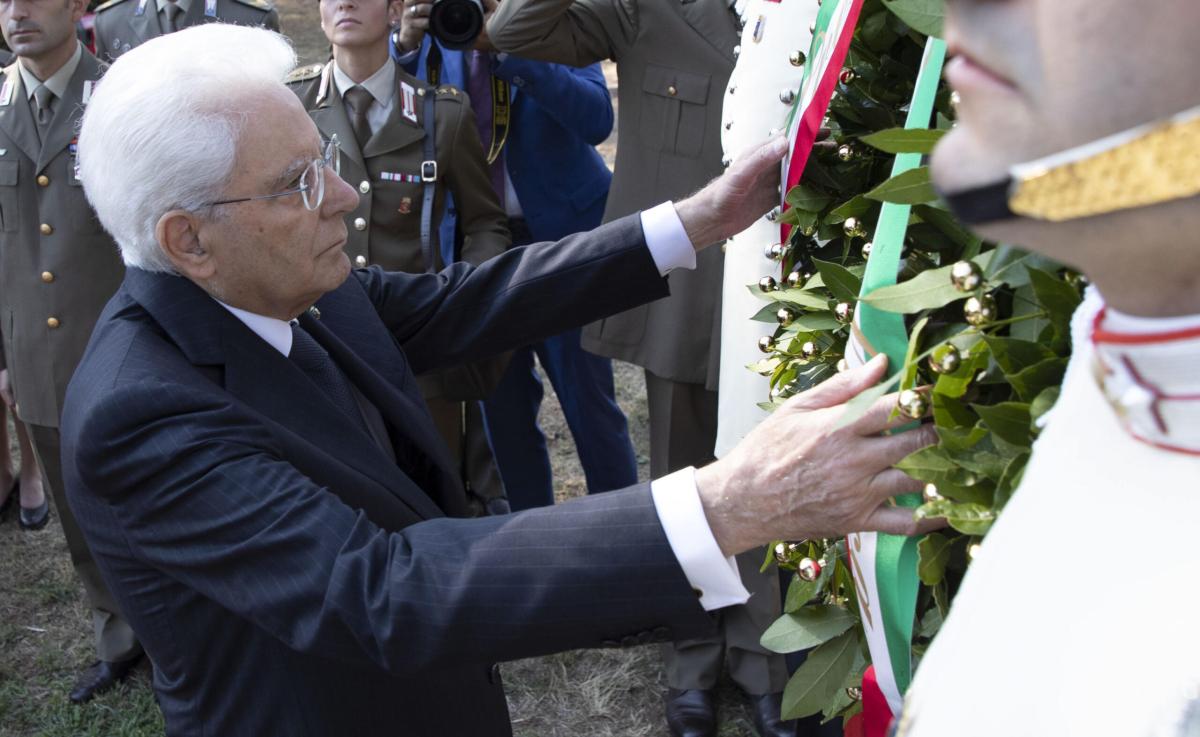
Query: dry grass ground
pixel 45 629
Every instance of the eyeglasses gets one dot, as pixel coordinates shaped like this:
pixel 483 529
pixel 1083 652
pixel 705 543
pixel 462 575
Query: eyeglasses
pixel 311 186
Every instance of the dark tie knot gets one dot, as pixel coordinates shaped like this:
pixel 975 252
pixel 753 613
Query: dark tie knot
pixel 44 99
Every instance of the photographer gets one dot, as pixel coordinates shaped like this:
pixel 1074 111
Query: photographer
pixel 381 116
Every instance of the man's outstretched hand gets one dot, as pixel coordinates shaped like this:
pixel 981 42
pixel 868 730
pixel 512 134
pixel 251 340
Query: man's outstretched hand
pixel 733 201
pixel 799 476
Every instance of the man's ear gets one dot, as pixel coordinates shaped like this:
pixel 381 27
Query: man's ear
pixel 178 235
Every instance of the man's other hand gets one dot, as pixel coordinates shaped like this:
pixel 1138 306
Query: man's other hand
pixel 800 476
pixel 733 201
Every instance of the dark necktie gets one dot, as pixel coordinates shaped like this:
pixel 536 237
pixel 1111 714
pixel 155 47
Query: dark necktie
pixel 313 360
pixel 358 101
pixel 479 88
pixel 171 12
pixel 44 99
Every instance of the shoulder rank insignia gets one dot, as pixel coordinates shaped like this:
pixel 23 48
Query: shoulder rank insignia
pixel 448 90
pixel 304 73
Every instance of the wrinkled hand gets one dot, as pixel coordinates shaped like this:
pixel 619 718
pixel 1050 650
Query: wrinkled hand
pixel 5 389
pixel 414 24
pixel 799 476
pixel 733 201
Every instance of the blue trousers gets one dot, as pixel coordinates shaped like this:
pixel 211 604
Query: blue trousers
pixel 584 385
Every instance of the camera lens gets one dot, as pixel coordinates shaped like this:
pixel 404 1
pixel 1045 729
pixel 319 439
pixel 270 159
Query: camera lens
pixel 456 23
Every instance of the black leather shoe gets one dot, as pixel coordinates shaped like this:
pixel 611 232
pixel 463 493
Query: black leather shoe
pixel 691 713
pixel 766 716
pixel 100 677
pixel 36 518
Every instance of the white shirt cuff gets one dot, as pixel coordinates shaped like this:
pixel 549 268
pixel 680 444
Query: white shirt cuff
pixel 714 576
pixel 668 242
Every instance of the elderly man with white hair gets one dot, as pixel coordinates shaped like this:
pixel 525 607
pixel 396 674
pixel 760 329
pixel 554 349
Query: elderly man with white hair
pixel 262 486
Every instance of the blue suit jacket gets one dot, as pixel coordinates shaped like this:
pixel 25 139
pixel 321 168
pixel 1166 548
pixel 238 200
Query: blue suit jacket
pixel 283 574
pixel 559 114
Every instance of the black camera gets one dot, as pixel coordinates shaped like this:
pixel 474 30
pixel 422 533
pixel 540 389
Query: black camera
pixel 456 23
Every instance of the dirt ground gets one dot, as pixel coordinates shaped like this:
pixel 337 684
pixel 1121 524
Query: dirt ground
pixel 45 629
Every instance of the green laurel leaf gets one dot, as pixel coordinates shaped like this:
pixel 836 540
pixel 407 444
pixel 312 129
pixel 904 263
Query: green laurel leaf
pixel 1010 421
pixel 933 553
pixel 924 16
pixel 807 628
pixel 928 290
pixel 904 140
pixel 912 187
pixel 843 285
pixel 807 199
pixel 817 681
pixel 969 519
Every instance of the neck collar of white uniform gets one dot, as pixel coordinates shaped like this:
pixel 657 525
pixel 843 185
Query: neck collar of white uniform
pixel 1152 381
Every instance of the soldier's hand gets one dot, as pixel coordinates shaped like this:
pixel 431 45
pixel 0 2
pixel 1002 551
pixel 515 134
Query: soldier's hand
pixel 800 476
pixel 733 201
pixel 414 23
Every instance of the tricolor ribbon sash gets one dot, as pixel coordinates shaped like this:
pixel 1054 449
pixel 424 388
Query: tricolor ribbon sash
pixel 830 43
pixel 885 566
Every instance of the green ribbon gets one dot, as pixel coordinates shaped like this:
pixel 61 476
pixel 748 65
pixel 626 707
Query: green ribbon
pixel 896 557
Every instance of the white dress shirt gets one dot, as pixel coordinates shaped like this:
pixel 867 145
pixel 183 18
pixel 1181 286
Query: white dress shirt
pixel 676 498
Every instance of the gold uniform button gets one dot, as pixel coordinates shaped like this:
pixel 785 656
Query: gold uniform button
pixel 46 229
pixel 47 276
pixel 360 261
pixel 43 180
pixel 52 322
pixel 364 186
pixel 360 224
pixel 672 91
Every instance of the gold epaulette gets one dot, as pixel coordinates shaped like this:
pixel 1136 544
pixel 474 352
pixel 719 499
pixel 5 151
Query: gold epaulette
pixel 301 74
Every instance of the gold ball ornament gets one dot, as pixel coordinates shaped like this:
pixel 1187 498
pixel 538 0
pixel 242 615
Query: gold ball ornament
pixel 783 553
pixel 809 349
pixel 843 313
pixel 774 252
pixel 930 494
pixel 767 284
pixel 855 693
pixel 797 58
pixel 912 404
pixel 867 248
pixel 766 344
pixel 945 359
pixel 845 152
pixel 980 311
pixel 795 280
pixel 843 366
pixel 785 317
pixel 853 228
pixel 847 76
pixel 955 99
pixel 966 276
pixel 973 551
pixel 808 569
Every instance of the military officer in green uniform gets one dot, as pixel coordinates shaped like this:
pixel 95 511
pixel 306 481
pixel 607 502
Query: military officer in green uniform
pixel 58 268
pixel 123 24
pixel 378 112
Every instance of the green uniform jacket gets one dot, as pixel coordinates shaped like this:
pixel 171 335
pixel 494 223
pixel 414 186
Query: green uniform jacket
pixel 120 28
pixel 673 61
pixel 385 228
pixel 58 267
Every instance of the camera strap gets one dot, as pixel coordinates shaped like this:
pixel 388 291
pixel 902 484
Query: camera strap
pixel 501 101
pixel 429 175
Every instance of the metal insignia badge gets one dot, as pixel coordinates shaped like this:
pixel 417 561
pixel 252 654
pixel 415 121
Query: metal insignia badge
pixel 408 101
pixel 405 205
pixel 6 92
pixel 141 8
pixel 210 8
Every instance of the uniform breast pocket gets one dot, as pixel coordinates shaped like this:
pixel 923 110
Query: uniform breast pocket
pixel 9 210
pixel 673 110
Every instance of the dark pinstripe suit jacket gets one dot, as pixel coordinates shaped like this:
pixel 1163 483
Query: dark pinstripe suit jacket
pixel 283 575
